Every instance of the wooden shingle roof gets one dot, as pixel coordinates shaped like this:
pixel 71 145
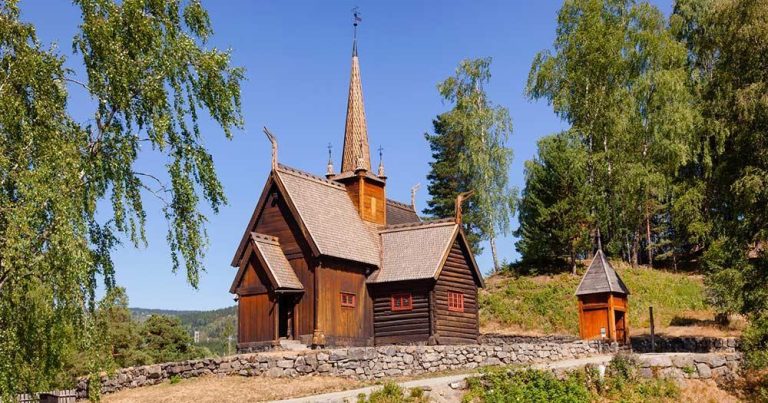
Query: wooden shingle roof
pixel 400 213
pixel 416 251
pixel 332 222
pixel 600 278
pixel 271 258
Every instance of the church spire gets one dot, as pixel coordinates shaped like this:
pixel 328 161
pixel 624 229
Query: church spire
pixel 356 152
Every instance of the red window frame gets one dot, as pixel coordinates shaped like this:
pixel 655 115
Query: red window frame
pixel 455 301
pixel 348 300
pixel 402 302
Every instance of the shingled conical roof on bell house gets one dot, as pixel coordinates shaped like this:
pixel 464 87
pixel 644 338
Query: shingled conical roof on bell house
pixel 601 277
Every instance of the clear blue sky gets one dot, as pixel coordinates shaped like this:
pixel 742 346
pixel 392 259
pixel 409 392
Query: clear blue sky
pixel 297 57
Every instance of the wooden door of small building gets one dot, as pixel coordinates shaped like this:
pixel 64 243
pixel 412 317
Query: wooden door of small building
pixel 620 326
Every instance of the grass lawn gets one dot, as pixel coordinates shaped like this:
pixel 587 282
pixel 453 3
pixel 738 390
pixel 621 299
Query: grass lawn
pixel 546 304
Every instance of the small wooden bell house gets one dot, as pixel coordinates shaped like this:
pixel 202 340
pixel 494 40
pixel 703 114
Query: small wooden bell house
pixel 603 306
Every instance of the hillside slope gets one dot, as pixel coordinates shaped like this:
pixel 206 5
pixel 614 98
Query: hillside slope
pixel 546 304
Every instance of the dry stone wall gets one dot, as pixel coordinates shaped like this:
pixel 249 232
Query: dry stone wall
pixel 689 344
pixel 722 367
pixel 364 363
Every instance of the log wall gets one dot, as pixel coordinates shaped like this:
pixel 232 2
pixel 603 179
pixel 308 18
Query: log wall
pixel 456 276
pixel 394 327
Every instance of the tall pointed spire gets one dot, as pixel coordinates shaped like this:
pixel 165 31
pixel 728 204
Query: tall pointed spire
pixel 356 154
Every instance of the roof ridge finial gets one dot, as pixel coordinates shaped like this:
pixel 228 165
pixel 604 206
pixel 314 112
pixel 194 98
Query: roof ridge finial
pixel 273 140
pixel 414 189
pixel 356 19
pixel 329 168
pixel 460 198
pixel 380 172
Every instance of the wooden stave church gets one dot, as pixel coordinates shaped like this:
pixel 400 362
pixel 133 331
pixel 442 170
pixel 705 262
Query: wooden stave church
pixel 332 262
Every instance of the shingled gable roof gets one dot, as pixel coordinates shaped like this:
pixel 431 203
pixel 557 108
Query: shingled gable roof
pixel 601 277
pixel 271 257
pixel 400 213
pixel 417 251
pixel 326 216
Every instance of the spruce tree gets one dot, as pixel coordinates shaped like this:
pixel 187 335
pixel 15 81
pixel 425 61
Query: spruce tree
pixel 555 206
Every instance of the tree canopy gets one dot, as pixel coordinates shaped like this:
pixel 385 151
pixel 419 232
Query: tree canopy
pixel 151 76
pixel 470 152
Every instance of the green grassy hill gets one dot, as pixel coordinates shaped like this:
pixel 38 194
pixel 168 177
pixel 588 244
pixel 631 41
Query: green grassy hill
pixel 546 304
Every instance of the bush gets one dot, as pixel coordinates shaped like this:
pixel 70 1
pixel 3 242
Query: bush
pixel 755 342
pixel 622 383
pixel 503 385
pixel 393 393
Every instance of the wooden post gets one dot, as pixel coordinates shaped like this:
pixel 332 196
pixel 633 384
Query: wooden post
pixel 276 311
pixel 581 319
pixel 611 319
pixel 653 331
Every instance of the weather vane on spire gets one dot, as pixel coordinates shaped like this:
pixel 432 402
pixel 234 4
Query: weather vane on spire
pixel 356 19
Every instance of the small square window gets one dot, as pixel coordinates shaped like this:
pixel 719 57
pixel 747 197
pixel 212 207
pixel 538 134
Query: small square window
pixel 455 301
pixel 402 302
pixel 348 300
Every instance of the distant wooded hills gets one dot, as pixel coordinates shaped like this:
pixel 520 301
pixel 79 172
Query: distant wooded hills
pixel 214 326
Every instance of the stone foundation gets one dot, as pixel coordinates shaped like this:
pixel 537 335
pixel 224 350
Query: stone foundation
pixel 364 363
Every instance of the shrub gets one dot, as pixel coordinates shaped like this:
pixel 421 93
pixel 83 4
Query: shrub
pixel 755 342
pixel 621 383
pixel 391 392
pixel 503 385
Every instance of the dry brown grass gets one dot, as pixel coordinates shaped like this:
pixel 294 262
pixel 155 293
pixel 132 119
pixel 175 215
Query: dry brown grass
pixel 232 389
pixel 699 391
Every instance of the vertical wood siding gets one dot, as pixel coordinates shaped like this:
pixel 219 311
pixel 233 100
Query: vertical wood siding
pixel 343 325
pixel 374 203
pixel 277 220
pixel 363 192
pixel 393 327
pixel 255 318
pixel 456 276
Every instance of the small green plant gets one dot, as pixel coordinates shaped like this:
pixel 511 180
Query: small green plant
pixel 689 370
pixel 391 392
pixel 417 393
pixel 175 379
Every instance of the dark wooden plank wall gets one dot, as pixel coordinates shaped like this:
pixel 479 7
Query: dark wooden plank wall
pixel 343 325
pixel 276 219
pixel 254 280
pixel 259 324
pixel 457 276
pixel 393 327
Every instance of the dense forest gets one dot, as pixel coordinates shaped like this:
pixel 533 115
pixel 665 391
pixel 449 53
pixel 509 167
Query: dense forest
pixel 666 159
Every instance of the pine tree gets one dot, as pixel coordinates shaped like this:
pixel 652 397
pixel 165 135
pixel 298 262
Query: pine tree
pixel 555 206
pixel 446 181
